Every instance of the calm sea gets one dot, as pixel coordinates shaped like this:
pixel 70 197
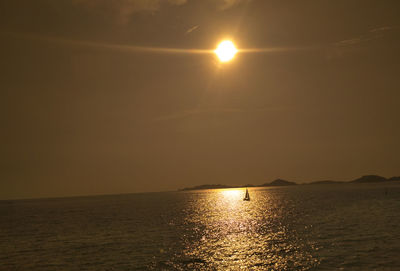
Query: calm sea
pixel 309 227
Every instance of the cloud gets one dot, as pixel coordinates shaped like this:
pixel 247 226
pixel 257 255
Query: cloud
pixel 373 34
pixel 177 2
pixel 340 48
pixel 383 28
pixel 349 42
pixel 226 4
pixel 190 30
pixel 123 9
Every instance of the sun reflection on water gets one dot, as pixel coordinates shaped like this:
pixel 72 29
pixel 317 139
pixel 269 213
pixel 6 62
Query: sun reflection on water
pixel 227 233
pixel 232 194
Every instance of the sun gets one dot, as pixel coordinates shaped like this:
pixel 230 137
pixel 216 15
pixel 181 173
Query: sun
pixel 226 51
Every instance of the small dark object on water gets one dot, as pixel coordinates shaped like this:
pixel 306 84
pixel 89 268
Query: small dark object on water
pixel 247 196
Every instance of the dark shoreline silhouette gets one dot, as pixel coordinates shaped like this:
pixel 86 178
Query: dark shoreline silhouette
pixel 280 182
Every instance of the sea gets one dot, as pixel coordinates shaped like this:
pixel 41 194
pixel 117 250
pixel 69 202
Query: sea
pixel 303 227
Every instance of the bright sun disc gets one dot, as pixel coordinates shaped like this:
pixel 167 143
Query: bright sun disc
pixel 226 50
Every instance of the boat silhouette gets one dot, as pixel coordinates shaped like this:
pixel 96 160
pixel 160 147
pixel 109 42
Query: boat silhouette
pixel 247 196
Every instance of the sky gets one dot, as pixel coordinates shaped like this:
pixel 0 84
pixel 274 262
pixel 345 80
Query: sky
pixel 85 109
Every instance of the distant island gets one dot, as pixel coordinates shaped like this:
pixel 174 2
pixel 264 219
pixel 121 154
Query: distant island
pixel 214 186
pixel 280 182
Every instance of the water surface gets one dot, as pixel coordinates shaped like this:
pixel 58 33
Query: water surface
pixel 309 227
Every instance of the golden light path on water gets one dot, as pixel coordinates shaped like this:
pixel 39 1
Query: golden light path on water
pixel 228 233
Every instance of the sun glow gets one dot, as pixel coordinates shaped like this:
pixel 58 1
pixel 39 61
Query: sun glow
pixel 226 51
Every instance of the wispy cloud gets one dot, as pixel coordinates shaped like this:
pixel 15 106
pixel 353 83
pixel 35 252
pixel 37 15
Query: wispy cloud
pixel 373 34
pixel 177 2
pixel 190 30
pixel 383 28
pixel 352 41
pixel 123 9
pixel 226 4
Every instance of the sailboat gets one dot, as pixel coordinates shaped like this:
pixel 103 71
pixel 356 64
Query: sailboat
pixel 247 196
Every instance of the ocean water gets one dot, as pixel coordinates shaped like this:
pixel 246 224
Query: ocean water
pixel 310 227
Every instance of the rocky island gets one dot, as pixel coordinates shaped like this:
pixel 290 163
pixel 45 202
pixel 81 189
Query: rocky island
pixel 281 182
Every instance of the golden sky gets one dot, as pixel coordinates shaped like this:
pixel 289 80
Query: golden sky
pixel 85 110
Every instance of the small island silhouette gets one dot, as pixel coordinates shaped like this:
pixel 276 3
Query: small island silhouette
pixel 280 182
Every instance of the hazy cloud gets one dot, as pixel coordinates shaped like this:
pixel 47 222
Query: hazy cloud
pixel 380 29
pixel 190 30
pixel 373 34
pixel 123 9
pixel 177 2
pixel 226 4
pixel 350 41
